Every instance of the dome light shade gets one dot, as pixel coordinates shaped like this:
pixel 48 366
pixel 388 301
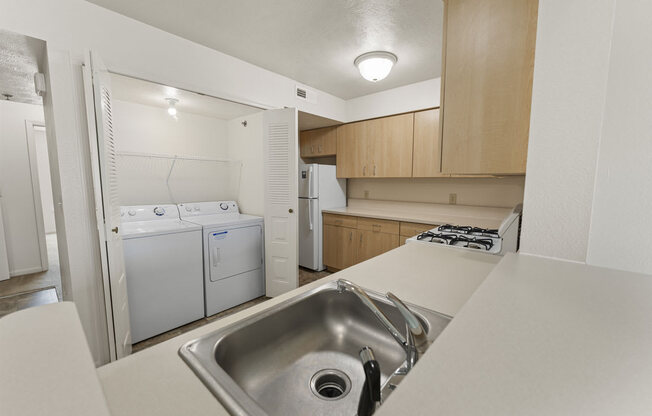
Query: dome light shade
pixel 172 110
pixel 375 66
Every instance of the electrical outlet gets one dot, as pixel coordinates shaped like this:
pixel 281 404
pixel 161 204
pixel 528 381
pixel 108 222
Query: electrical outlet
pixel 452 199
pixel 366 194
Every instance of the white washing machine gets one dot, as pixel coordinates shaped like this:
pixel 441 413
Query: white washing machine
pixel 163 264
pixel 233 253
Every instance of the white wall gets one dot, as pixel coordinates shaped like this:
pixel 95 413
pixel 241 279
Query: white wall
pixel 151 130
pixel 568 96
pixel 621 225
pixel 246 145
pixel 491 192
pixel 45 180
pixel 130 48
pixel 18 204
pixel 145 129
pixel 412 97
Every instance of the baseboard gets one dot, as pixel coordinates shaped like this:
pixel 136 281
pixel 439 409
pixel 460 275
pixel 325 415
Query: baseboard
pixel 29 270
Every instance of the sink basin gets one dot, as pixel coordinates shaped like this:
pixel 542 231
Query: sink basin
pixel 301 356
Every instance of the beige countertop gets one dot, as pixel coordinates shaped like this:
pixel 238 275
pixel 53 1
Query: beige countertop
pixel 540 337
pixel 46 367
pixel 156 381
pixel 485 217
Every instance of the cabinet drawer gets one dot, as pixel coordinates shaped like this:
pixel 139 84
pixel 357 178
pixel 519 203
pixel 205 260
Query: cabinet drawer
pixel 340 220
pixel 378 226
pixel 410 229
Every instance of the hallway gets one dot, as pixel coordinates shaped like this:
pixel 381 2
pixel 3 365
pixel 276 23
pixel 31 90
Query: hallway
pixel 34 289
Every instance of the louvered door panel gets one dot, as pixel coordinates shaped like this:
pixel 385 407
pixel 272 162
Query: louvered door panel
pixel 106 151
pixel 281 201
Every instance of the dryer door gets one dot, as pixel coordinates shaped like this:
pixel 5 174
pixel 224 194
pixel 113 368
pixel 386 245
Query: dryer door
pixel 234 251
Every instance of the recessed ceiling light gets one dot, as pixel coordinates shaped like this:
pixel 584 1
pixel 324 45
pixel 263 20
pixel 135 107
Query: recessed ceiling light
pixel 375 66
pixel 172 110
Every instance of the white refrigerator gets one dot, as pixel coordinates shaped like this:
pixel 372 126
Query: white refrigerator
pixel 319 189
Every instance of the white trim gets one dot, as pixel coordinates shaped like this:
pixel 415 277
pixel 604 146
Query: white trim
pixel 87 79
pixel 36 192
pixel 28 270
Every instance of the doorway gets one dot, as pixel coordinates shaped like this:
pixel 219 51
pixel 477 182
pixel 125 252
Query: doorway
pixel 29 259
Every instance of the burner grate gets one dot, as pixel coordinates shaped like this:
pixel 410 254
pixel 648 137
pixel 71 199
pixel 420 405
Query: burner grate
pixel 467 241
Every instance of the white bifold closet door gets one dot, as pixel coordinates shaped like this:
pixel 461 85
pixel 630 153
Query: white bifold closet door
pixel 103 158
pixel 281 200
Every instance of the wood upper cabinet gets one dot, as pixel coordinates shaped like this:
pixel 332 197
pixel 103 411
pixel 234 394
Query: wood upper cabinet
pixel 352 150
pixel 390 146
pixel 379 148
pixel 487 85
pixel 318 142
pixel 426 159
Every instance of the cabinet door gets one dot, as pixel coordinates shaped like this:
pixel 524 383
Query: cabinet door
pixel 390 146
pixel 305 144
pixel 339 246
pixel 426 159
pixel 332 237
pixel 487 89
pixel 352 151
pixel 371 244
pixel 328 142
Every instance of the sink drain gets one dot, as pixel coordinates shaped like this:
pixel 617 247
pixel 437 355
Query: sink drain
pixel 330 384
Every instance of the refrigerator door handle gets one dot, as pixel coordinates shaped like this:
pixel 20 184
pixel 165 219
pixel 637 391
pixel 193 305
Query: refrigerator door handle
pixel 310 214
pixel 310 185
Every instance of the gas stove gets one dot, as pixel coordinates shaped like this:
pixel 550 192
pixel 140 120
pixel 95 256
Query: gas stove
pixel 493 241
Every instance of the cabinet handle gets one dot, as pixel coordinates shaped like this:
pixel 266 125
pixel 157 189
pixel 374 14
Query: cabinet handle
pixel 374 170
pixel 319 148
pixel 361 238
pixel 350 235
pixel 375 227
pixel 312 148
pixel 364 170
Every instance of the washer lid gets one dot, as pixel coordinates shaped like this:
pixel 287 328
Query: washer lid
pixel 223 220
pixel 137 229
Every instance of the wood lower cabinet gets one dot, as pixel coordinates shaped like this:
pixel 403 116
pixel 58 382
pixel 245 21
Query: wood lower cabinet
pixel 349 240
pixel 410 229
pixel 318 142
pixel 372 244
pixel 339 246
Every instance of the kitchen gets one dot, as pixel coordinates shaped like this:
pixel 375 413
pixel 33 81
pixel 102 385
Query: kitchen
pixel 527 334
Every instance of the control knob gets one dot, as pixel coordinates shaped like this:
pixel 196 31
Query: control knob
pixel 159 211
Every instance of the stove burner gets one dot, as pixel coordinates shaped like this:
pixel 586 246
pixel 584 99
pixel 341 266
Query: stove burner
pixel 484 232
pixel 456 240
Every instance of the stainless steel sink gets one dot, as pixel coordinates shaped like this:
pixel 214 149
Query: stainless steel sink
pixel 300 357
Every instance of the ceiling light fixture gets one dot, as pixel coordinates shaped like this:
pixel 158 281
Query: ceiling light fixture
pixel 172 110
pixel 375 66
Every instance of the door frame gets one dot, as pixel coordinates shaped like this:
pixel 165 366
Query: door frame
pixel 36 189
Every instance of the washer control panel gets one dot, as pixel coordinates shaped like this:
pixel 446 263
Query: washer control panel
pixel 148 212
pixel 191 209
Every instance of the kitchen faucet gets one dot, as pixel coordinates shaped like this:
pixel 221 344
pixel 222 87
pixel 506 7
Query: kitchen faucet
pixel 414 343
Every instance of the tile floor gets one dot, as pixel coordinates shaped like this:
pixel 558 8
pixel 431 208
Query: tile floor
pixel 16 302
pixel 305 276
pixel 36 281
pixel 26 291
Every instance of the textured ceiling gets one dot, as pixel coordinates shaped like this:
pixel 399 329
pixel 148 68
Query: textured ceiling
pixel 311 41
pixel 19 60
pixel 153 94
